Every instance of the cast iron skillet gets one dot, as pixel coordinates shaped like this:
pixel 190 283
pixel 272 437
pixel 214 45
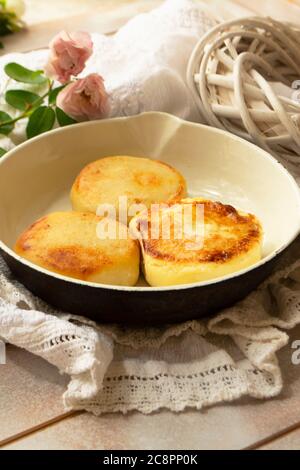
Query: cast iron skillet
pixel 35 179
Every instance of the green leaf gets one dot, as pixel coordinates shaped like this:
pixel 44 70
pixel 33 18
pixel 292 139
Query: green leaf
pixel 41 120
pixel 21 99
pixel 6 128
pixel 53 94
pixel 63 118
pixel 2 152
pixel 24 75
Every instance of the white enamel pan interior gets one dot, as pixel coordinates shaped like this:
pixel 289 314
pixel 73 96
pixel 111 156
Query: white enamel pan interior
pixel 36 177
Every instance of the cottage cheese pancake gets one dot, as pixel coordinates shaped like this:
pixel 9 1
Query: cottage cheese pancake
pixel 67 243
pixel 231 240
pixel 141 180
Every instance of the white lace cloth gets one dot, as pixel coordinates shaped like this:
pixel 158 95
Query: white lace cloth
pixel 194 364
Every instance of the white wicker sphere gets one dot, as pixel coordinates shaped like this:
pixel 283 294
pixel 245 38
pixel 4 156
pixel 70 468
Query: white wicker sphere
pixel 232 73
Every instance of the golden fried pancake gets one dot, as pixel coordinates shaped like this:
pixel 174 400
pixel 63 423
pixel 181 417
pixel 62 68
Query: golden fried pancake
pixel 141 180
pixel 67 243
pixel 215 241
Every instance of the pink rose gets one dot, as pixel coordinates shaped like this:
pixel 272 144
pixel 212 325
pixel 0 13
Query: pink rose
pixel 68 55
pixel 84 99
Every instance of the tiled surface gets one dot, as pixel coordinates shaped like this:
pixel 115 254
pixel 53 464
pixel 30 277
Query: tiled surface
pixel 232 426
pixel 165 430
pixel 31 389
pixel 56 9
pixel 282 10
pixel 107 16
pixel 45 10
pixel 290 441
pixel 30 392
pixel 135 431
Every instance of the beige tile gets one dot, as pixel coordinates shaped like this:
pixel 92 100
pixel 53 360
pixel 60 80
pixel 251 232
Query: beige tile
pixel 283 10
pixel 191 430
pixel 229 426
pixel 31 389
pixel 290 441
pixel 30 392
pixel 36 12
pixel 104 18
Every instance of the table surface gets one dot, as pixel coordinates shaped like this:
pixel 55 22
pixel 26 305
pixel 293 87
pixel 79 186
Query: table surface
pixel 31 409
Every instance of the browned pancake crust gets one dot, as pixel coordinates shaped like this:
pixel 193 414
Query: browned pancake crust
pixel 54 242
pixel 238 234
pixel 141 180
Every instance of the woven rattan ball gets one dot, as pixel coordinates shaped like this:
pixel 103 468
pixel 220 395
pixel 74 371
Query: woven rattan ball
pixel 243 74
